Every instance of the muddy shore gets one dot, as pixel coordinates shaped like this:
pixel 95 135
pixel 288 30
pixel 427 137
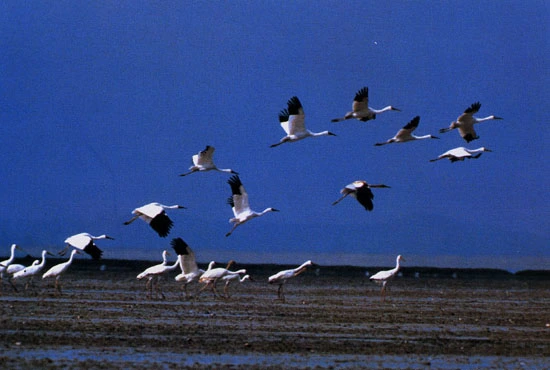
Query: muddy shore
pixel 332 318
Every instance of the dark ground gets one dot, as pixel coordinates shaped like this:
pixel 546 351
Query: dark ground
pixel 332 318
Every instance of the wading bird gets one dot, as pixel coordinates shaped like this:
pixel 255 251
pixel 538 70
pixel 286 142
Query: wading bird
pixel 239 203
pixel 57 270
pixel 31 271
pixel 282 276
pixel 155 273
pixel 360 109
pixel 85 242
pixel 466 121
pixel 155 215
pixel 461 153
pixel 360 190
pixel 203 162
pixel 5 263
pixel 292 121
pixel 229 278
pixel 405 134
pixel 189 269
pixel 211 276
pixel 383 277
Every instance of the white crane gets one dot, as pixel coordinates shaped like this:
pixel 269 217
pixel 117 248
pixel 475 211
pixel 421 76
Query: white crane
pixel 155 215
pixel 57 270
pixel 189 269
pixel 16 267
pixel 211 276
pixel 203 162
pixel 86 243
pixel 155 273
pixel 229 278
pixel 292 121
pixel 282 276
pixel 31 271
pixel 5 263
pixel 466 121
pixel 360 108
pixel 239 203
pixel 406 133
pixel 461 153
pixel 360 190
pixel 383 277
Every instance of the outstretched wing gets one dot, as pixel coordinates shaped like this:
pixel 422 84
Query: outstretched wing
pixel 296 116
pixel 361 100
pixel 474 108
pixel 204 157
pixel 239 196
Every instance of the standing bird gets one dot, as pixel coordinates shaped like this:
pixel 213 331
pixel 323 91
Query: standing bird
pixel 59 269
pixel 85 242
pixel 229 278
pixel 405 134
pixel 4 264
pixel 239 203
pixel 211 276
pixel 282 276
pixel 31 271
pixel 155 273
pixel 360 109
pixel 292 121
pixel 155 215
pixel 461 153
pixel 383 277
pixel 186 258
pixel 203 162
pixel 466 121
pixel 360 190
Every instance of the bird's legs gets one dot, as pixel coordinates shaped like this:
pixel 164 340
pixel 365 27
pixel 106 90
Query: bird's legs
pixel 234 227
pixel 383 292
pixel 280 293
pixel 226 290
pixel 57 285
pixel 340 199
pixel 131 220
pixel 189 173
pixel 148 288
pixel 158 291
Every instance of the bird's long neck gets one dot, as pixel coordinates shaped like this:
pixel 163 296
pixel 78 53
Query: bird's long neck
pixel 385 109
pixel 422 137
pixel 43 260
pixel 474 151
pixel 238 272
pixel 488 118
pixel 267 210
pixel 12 256
pixel 322 133
pixel 397 265
pixel 70 258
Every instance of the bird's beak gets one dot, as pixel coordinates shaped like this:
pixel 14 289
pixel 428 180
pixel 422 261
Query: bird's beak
pixel 396 109
pixel 498 117
pixel 182 207
pixel 275 210
pixel 49 253
pixel 108 237
pixel 332 134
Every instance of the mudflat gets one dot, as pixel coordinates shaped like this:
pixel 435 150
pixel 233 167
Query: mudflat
pixel 333 317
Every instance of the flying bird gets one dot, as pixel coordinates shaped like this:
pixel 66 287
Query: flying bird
pixel 186 258
pixel 155 215
pixel 282 276
pixel 292 121
pixel 383 277
pixel 155 273
pixel 86 243
pixel 203 162
pixel 360 190
pixel 31 271
pixel 57 270
pixel 466 121
pixel 461 153
pixel 406 133
pixel 239 203
pixel 360 108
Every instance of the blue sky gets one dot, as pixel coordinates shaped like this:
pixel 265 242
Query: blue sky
pixel 104 103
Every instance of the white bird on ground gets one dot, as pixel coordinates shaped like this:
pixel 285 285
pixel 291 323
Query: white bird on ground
pixel 190 271
pixel 211 277
pixel 239 203
pixel 466 121
pixel 383 277
pixel 282 276
pixel 57 270
pixel 405 134
pixel 461 153
pixel 360 190
pixel 16 267
pixel 229 278
pixel 203 162
pixel 155 273
pixel 86 243
pixel 154 214
pixel 5 263
pixel 31 271
pixel 292 121
pixel 360 109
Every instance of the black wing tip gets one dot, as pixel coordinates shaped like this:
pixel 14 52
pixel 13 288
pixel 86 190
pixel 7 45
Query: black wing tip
pixel 230 201
pixel 93 251
pixel 162 224
pixel 473 108
pixel 362 93
pixel 412 123
pixel 179 246
pixel 294 105
pixel 283 115
pixel 235 183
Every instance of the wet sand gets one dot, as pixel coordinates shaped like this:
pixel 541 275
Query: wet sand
pixel 332 318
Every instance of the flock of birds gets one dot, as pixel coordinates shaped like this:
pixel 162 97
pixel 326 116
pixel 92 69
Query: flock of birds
pixel 292 120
